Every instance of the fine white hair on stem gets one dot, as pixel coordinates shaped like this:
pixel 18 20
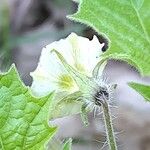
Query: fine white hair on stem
pixel 95 111
pixel 104 145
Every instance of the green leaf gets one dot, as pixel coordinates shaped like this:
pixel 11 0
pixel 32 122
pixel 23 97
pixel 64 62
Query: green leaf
pixel 125 23
pixel 144 90
pixel 23 118
pixel 67 145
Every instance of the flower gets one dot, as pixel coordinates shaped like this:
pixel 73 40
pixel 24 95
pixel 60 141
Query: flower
pixel 50 74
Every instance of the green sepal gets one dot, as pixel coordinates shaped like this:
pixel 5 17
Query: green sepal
pixel 66 105
pixel 85 83
pixel 86 86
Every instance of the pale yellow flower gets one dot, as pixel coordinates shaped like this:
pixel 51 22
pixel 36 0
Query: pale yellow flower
pixel 79 52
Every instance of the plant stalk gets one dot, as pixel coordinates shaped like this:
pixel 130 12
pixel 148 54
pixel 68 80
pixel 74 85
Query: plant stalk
pixel 109 127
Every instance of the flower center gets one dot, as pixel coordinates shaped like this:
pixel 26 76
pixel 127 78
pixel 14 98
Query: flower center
pixel 65 82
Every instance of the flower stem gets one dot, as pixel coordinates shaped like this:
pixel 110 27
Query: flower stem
pixel 109 127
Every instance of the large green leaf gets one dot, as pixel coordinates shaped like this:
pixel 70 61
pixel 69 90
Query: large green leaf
pixel 23 118
pixel 144 90
pixel 127 25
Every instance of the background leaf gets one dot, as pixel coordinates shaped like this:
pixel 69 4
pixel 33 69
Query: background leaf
pixel 67 145
pixel 126 23
pixel 144 90
pixel 56 144
pixel 5 51
pixel 23 118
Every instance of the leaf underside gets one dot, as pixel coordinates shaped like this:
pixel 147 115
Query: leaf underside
pixel 23 118
pixel 126 23
pixel 144 90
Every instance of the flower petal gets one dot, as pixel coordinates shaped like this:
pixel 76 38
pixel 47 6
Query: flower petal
pixel 79 52
pixel 86 52
pixel 50 74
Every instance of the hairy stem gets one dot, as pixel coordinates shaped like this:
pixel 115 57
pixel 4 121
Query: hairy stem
pixel 109 127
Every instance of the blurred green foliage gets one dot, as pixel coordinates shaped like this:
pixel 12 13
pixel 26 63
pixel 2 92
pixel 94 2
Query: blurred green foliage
pixel 9 41
pixel 67 5
pixel 5 53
